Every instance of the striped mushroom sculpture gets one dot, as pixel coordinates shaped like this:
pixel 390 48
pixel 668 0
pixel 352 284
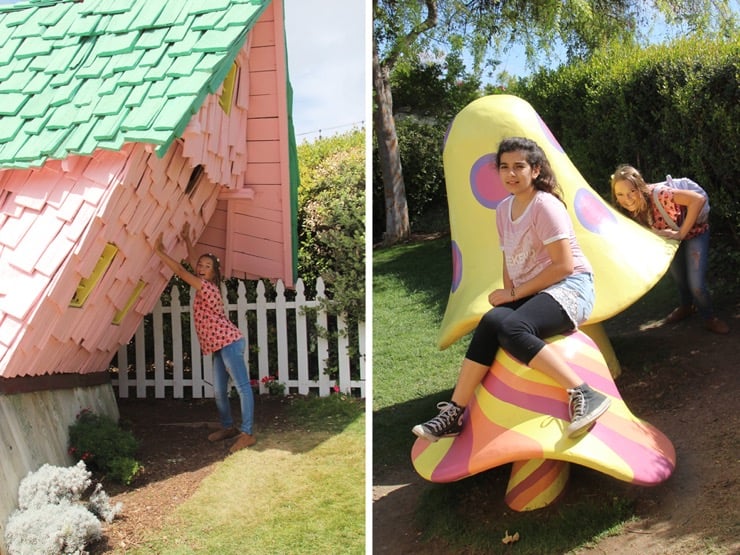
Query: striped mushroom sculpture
pixel 519 415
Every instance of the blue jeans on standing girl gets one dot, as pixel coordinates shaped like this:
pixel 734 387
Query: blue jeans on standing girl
pixel 231 357
pixel 689 270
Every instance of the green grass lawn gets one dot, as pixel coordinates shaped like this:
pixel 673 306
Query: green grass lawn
pixel 410 290
pixel 410 374
pixel 299 490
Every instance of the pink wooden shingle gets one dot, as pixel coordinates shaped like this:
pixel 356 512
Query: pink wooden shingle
pixel 54 255
pixel 35 190
pixel 32 287
pixel 36 241
pixel 71 203
pixel 9 329
pixel 15 228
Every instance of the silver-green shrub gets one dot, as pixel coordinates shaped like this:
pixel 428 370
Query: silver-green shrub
pixel 50 485
pixel 56 529
pixel 52 518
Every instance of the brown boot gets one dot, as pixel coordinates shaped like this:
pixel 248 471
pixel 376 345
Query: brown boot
pixel 224 433
pixel 715 325
pixel 243 441
pixel 678 314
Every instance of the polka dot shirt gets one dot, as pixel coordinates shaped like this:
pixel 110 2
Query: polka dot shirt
pixel 677 212
pixel 213 327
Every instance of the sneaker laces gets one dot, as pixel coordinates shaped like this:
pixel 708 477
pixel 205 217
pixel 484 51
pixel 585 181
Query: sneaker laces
pixel 449 412
pixel 577 404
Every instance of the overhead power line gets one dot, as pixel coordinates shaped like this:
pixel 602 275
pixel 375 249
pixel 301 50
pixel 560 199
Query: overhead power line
pixel 319 131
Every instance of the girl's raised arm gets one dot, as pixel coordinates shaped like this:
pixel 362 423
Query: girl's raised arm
pixel 175 266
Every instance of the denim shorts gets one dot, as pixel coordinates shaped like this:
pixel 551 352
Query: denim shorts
pixel 576 295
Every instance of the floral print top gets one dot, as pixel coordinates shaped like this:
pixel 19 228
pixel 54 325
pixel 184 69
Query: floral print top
pixel 213 327
pixel 677 212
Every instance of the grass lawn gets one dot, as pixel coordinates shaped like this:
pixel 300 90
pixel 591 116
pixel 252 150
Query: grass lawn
pixel 410 290
pixel 299 490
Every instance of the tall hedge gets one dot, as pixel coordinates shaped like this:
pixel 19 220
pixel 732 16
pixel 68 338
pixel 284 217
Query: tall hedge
pixel 331 219
pixel 669 109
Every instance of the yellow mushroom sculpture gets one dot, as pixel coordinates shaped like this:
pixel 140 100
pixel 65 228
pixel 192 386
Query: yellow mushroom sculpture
pixel 518 415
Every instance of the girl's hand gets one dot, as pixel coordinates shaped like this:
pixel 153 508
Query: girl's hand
pixel 499 296
pixel 669 234
pixel 158 245
pixel 185 233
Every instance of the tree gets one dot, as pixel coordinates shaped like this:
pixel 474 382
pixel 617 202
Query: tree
pixel 426 97
pixel 408 29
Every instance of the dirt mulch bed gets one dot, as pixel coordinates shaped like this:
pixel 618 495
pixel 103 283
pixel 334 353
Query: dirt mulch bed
pixel 175 455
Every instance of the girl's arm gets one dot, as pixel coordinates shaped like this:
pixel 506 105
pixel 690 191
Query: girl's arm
pixel 175 266
pixel 693 202
pixel 508 285
pixel 185 234
pixel 561 267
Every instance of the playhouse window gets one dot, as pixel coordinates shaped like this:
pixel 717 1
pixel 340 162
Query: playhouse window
pixel 227 93
pixel 87 284
pixel 121 314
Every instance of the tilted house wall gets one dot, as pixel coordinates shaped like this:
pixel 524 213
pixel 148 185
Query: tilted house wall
pixel 185 120
pixel 121 120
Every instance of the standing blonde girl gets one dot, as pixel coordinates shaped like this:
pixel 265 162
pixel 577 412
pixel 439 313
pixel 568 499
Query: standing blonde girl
pixel 635 198
pixel 217 335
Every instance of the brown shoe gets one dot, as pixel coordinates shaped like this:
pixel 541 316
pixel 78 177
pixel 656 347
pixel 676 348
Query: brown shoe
pixel 678 314
pixel 245 440
pixel 715 325
pixel 224 433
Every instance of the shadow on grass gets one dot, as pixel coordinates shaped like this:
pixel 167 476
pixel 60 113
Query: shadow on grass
pixel 172 433
pixel 403 262
pixel 392 437
pixel 472 517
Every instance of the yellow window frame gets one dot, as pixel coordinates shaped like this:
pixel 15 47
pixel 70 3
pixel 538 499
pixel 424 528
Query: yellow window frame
pixel 121 314
pixel 88 284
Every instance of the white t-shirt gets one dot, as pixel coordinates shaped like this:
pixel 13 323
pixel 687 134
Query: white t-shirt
pixel 523 241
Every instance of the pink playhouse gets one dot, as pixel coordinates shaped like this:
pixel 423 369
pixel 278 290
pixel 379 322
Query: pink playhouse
pixel 121 120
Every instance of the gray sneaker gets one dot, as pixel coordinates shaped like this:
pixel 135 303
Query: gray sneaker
pixel 447 423
pixel 585 406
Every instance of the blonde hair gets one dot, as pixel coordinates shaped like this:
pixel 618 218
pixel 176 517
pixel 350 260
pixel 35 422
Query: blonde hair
pixel 625 172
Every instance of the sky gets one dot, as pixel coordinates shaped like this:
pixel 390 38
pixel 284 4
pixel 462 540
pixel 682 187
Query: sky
pixel 327 46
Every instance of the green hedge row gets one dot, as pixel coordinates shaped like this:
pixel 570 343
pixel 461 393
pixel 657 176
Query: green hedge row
pixel 669 109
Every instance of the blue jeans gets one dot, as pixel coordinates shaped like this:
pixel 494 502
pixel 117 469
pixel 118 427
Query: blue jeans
pixel 689 270
pixel 232 357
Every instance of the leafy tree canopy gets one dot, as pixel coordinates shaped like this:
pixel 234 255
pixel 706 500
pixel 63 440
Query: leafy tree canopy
pixel 413 29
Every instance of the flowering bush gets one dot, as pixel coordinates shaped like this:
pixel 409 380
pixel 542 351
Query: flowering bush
pixel 104 446
pixel 52 518
pixel 273 385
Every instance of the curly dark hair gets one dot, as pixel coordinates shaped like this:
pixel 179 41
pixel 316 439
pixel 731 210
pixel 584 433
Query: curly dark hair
pixel 536 157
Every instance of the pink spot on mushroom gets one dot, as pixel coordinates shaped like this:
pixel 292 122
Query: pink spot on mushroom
pixel 592 212
pixel 486 183
pixel 456 266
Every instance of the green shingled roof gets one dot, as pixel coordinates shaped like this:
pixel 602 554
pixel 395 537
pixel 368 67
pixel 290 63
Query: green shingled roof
pixel 76 76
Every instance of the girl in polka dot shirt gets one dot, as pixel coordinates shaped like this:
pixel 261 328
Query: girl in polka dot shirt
pixel 634 198
pixel 218 336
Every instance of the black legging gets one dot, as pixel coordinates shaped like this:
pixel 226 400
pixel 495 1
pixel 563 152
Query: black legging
pixel 519 328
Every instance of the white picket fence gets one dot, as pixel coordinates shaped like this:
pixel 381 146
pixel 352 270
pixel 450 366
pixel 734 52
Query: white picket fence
pixel 191 373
